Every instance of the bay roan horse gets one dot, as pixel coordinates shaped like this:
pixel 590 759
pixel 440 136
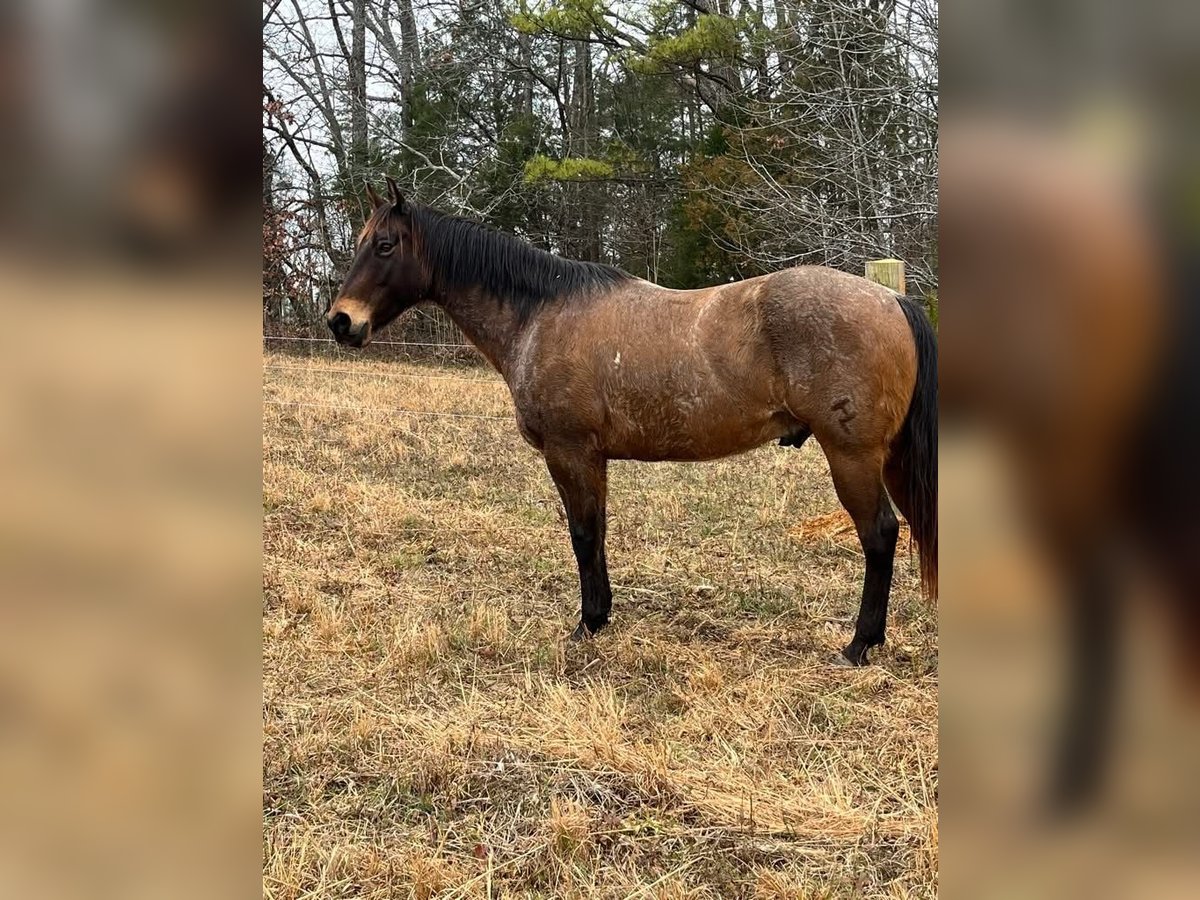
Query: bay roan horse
pixel 603 365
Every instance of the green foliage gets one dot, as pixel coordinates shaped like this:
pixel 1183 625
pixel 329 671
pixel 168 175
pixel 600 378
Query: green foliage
pixel 566 18
pixel 543 168
pixel 711 38
pixel 716 142
pixel 701 226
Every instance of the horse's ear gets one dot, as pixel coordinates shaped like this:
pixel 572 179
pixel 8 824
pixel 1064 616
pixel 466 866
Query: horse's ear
pixel 376 200
pixel 397 197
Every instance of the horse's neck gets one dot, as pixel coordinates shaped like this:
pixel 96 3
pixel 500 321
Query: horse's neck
pixel 491 325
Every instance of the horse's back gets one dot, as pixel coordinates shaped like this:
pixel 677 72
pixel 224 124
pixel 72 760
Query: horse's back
pixel 653 373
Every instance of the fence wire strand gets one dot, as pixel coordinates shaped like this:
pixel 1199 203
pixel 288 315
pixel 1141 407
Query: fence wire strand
pixel 375 374
pixel 394 410
pixel 332 343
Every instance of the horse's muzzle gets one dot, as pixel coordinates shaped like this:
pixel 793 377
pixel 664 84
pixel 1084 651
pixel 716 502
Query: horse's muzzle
pixel 346 332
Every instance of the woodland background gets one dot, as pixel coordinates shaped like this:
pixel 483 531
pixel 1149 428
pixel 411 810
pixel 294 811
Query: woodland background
pixel 686 141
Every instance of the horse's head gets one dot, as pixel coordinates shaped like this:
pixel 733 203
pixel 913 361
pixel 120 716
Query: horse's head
pixel 386 277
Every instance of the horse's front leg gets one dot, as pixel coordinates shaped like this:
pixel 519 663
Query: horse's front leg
pixel 581 476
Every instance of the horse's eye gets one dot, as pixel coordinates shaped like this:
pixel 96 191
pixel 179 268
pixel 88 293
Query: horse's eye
pixel 383 248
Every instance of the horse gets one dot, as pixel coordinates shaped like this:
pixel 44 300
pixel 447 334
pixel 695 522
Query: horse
pixel 1080 360
pixel 602 366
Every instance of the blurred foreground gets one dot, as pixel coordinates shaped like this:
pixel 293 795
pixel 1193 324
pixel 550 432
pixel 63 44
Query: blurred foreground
pixel 1070 617
pixel 130 720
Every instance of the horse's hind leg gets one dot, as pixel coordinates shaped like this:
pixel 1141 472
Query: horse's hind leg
pixel 858 479
pixel 1085 733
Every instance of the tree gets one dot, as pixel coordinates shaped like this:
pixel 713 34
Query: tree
pixel 688 142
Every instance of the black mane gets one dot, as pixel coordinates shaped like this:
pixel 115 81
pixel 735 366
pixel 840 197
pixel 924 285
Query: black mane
pixel 464 254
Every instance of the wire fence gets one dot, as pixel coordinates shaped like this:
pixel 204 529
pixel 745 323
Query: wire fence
pixel 321 370
pixel 329 352
pixel 333 344
pixel 391 410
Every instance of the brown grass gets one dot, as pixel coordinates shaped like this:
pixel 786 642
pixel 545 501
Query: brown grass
pixel 429 732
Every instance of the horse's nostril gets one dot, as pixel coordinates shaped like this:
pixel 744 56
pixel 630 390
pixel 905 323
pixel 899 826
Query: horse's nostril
pixel 339 324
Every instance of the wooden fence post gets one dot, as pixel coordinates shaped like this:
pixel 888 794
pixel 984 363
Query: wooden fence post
pixel 888 272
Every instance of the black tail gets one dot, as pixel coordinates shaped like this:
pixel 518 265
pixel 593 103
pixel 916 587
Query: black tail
pixel 911 472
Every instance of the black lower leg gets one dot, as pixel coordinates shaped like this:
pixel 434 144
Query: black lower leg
pixel 1083 743
pixel 587 542
pixel 581 479
pixel 879 547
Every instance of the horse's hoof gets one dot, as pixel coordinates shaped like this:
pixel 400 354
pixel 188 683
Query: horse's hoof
pixel 853 655
pixel 583 631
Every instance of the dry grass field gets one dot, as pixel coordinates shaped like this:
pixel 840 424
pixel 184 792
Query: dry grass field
pixel 429 732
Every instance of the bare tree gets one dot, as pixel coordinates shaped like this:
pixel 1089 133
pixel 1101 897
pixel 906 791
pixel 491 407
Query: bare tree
pixel 691 141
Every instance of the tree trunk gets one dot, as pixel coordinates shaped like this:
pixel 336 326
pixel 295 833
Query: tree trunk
pixel 584 140
pixel 358 158
pixel 762 71
pixel 410 62
pixel 525 57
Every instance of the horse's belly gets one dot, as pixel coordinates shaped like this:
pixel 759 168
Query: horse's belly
pixel 682 434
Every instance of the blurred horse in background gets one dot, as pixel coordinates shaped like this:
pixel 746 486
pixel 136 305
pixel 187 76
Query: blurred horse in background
pixel 1069 343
